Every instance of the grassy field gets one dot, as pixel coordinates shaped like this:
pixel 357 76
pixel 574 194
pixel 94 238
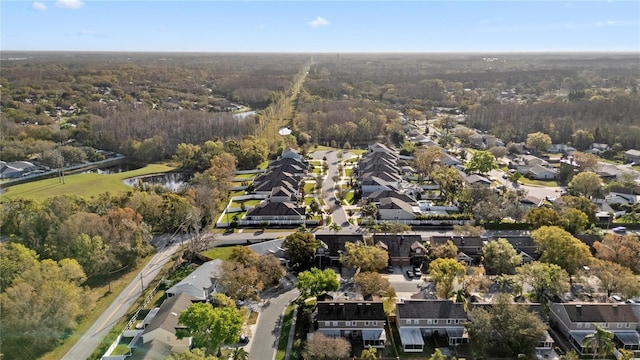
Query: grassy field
pixel 86 185
pixel 222 252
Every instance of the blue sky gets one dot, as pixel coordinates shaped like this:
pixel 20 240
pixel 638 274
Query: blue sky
pixel 320 26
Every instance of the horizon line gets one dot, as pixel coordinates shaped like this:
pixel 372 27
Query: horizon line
pixel 333 52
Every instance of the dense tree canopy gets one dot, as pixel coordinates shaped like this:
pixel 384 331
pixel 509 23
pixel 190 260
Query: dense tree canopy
pixel 372 283
pixel 500 256
pixel 210 327
pixel 505 329
pixel 364 257
pixel 315 282
pixel 301 249
pixel 41 303
pixel 558 247
pixel 547 280
pixel 444 271
pixel 481 162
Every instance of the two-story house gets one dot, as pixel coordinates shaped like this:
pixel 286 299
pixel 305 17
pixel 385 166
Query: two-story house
pixel 355 320
pixel 331 245
pixel 417 319
pixel 403 249
pixel 576 320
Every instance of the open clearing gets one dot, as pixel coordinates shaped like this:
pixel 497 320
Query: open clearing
pixel 85 185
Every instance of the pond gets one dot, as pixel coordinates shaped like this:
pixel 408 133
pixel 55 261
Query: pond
pixel 114 169
pixel 172 181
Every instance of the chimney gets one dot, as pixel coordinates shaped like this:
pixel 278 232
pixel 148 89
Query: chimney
pixel 579 309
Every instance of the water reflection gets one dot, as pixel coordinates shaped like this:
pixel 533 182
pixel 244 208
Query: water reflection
pixel 172 181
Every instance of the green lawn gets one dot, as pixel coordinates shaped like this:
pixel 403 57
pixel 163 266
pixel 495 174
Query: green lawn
pixel 349 197
pixel 244 176
pixel 309 187
pixel 86 185
pixel 356 151
pixel 253 202
pixel 284 332
pixel 237 193
pixel 348 172
pixel 222 252
pixel 526 181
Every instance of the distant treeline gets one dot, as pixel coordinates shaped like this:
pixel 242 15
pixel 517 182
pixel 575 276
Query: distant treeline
pixel 611 121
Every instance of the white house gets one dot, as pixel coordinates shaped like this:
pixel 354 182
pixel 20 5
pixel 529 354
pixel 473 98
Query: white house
pixel 200 284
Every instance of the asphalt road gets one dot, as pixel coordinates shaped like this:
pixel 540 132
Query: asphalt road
pixel 338 213
pixel 90 340
pixel 264 342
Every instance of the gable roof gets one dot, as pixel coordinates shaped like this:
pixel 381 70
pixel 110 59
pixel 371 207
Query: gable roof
pixel 393 203
pixel 199 282
pixel 273 247
pixel 167 316
pixel 377 196
pixel 534 308
pixel 267 186
pixel 271 208
pixel 399 245
pixel 475 178
pixel 286 161
pixel 281 191
pixel 350 310
pixel 377 147
pixel 538 169
pixel 382 175
pixel 274 174
pixel 598 312
pixel 430 309
pixel 335 242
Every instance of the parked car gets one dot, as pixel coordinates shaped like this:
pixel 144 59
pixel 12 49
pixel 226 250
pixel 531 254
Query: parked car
pixel 619 230
pixel 417 272
pixel 410 274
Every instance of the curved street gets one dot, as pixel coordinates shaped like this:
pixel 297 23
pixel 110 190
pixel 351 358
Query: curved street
pixel 337 212
pixel 264 342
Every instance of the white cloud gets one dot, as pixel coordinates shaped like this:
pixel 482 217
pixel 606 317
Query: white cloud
pixel 39 6
pixel 609 23
pixel 69 4
pixel 319 21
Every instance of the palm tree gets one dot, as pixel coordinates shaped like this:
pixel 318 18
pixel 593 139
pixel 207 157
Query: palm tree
pixel 239 354
pixel 369 353
pixel 600 342
pixel 335 227
pixel 461 297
